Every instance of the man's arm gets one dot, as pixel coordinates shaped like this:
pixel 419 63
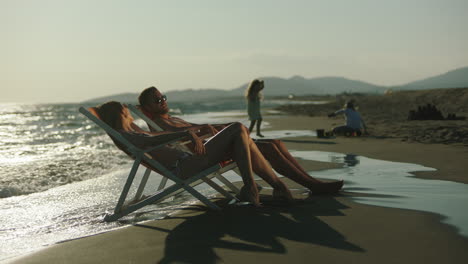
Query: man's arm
pixel 147 139
pixel 178 124
pixel 336 113
pixel 138 129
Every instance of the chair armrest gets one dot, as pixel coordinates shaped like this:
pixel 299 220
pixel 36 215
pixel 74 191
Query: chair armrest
pixel 201 137
pixel 166 139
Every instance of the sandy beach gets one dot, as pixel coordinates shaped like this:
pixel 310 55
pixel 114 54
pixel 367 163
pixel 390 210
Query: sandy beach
pixel 387 115
pixel 325 229
pixel 82 81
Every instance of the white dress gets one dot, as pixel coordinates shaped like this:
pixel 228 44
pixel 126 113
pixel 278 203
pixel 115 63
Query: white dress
pixel 253 109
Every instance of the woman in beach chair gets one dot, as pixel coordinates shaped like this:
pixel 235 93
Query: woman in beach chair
pixel 154 105
pixel 230 143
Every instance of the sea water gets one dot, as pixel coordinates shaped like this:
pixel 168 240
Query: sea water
pixel 61 173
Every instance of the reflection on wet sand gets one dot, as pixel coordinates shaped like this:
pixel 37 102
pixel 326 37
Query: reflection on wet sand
pixel 391 184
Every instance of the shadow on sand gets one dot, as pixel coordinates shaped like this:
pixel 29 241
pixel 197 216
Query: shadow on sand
pixel 245 228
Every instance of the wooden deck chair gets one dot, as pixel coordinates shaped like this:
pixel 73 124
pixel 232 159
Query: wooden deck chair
pixel 218 174
pixel 142 157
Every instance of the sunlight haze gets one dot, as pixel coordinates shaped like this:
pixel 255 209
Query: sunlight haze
pixel 70 51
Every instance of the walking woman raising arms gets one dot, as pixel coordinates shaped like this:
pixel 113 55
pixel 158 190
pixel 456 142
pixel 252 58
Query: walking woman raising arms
pixel 254 96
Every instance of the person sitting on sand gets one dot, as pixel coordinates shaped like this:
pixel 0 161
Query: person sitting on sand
pixel 154 105
pixel 230 143
pixel 354 121
pixel 253 96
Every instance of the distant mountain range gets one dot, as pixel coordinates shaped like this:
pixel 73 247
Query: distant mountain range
pixel 299 85
pixel 453 79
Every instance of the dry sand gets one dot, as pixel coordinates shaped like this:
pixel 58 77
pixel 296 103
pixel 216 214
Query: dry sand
pixel 321 229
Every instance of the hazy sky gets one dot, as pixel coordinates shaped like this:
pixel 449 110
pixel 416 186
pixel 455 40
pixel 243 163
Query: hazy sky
pixel 73 50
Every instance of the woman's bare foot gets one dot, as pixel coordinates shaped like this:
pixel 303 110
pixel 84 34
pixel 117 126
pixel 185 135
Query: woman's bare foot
pixel 326 187
pixel 250 195
pixel 282 192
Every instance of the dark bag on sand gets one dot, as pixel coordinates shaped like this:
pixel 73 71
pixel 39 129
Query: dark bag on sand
pixel 320 133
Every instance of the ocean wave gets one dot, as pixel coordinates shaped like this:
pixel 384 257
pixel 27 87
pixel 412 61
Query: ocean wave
pixel 9 191
pixel 44 175
pixel 47 146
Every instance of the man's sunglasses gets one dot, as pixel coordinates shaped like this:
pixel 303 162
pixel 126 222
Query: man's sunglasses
pixel 161 99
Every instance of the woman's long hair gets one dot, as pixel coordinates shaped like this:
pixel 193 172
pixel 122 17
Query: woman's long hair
pixel 111 114
pixel 252 92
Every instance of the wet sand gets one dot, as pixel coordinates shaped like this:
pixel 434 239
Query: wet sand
pixel 449 160
pixel 322 229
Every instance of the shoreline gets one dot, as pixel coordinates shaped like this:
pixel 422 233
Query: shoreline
pixel 323 228
pixel 449 160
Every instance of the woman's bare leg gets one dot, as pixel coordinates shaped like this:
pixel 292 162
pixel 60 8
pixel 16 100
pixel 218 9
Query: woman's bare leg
pixel 280 147
pixel 232 140
pixel 284 163
pixel 255 161
pixel 316 185
pixel 252 125
pixel 263 169
pixel 259 124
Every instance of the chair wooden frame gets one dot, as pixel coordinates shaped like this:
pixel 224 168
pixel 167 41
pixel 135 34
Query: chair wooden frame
pixel 142 157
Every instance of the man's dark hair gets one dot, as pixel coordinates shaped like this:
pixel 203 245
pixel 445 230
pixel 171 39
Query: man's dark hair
pixel 350 104
pixel 146 95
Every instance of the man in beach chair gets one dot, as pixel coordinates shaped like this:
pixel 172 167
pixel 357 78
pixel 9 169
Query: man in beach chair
pixel 154 105
pixel 229 143
pixel 184 146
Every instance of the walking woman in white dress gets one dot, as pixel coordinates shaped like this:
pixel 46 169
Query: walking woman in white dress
pixel 254 96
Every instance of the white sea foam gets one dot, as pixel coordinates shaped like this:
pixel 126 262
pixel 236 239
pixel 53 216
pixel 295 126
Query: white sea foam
pixel 31 222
